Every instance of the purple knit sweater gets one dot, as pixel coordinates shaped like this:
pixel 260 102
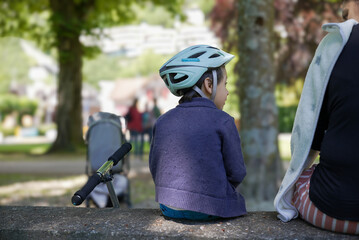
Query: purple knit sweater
pixel 196 160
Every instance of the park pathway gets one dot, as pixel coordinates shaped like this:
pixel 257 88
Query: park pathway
pixel 63 166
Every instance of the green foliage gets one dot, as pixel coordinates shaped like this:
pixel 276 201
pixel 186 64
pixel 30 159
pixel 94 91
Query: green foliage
pixel 27 106
pixel 205 5
pixel 334 1
pixel 27 19
pixel 91 51
pixel 8 104
pixel 289 94
pixel 153 15
pixel 7 131
pixel 287 97
pixel 14 63
pixel 232 103
pixel 286 118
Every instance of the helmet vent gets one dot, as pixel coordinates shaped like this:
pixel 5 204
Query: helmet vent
pixel 215 55
pixel 175 79
pixel 165 80
pixel 197 55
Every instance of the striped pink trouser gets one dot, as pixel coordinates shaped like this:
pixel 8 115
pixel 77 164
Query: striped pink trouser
pixel 312 214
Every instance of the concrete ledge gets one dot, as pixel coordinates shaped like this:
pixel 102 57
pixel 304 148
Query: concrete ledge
pixel 89 223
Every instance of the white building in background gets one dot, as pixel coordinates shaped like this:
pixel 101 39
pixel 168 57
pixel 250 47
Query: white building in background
pixel 133 40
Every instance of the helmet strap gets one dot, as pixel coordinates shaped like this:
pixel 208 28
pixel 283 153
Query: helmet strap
pixel 214 84
pixel 199 91
pixel 214 87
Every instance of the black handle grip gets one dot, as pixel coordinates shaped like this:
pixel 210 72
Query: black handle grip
pixel 120 153
pixel 82 194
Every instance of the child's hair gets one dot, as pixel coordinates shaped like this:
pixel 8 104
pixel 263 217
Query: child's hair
pixel 190 93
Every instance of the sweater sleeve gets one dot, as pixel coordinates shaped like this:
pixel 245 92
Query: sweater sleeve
pixel 232 154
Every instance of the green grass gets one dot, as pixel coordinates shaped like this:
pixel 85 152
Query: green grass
pixel 10 178
pixel 37 152
pixel 34 149
pixel 146 148
pixel 142 188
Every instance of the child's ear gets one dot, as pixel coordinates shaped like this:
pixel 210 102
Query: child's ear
pixel 207 84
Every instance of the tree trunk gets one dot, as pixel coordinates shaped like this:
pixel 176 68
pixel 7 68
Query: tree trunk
pixel 66 25
pixel 259 114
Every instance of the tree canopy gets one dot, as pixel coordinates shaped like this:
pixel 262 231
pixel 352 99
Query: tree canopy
pixel 53 23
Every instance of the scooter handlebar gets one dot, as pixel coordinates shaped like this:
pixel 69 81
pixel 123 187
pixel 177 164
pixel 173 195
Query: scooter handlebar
pixel 82 194
pixel 120 153
pixel 95 179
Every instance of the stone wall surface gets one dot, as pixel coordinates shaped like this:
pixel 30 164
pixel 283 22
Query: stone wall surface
pixel 90 223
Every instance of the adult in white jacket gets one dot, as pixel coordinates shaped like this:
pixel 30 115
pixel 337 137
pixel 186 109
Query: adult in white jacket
pixel 329 90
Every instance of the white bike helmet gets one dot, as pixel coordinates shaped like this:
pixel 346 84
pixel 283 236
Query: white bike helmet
pixel 185 68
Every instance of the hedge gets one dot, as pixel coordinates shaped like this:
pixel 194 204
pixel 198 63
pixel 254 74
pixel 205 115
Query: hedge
pixel 10 103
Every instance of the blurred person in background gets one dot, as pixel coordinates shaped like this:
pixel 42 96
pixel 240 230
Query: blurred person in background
pixel 156 110
pixel 148 120
pixel 134 125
